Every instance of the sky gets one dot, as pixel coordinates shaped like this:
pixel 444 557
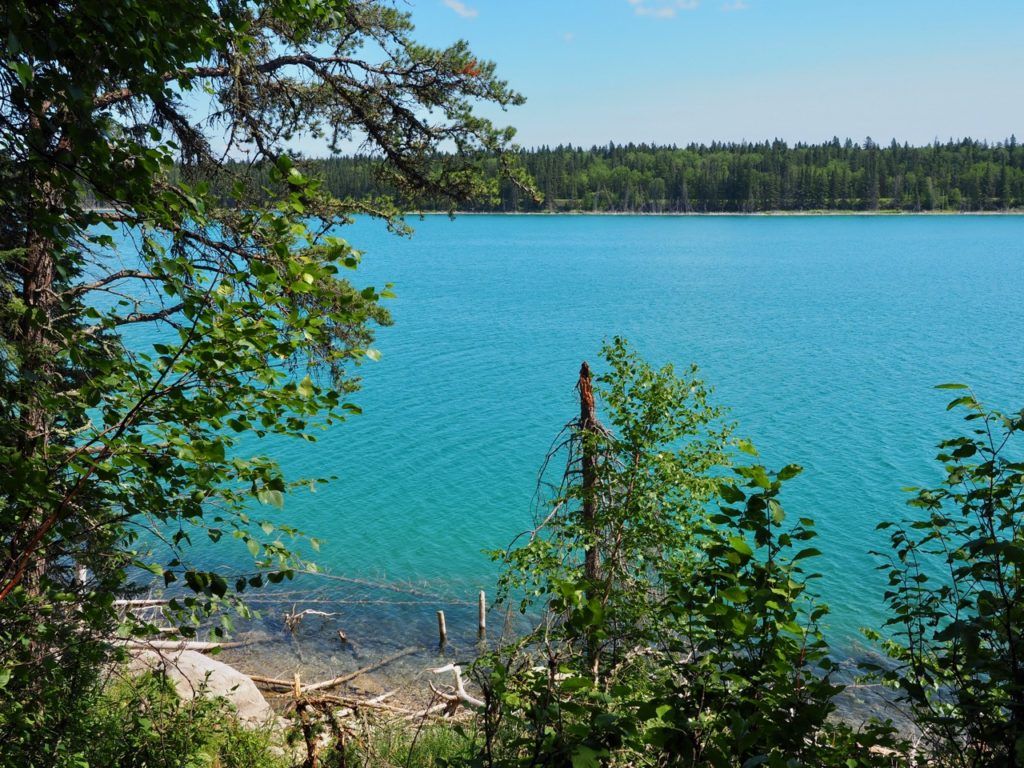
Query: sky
pixel 681 71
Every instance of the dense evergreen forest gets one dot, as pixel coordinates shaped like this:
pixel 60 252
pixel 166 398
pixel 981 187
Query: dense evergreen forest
pixel 966 175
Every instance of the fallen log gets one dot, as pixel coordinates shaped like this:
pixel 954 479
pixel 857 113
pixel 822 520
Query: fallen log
pixel 354 703
pixel 175 645
pixel 271 681
pixel 352 675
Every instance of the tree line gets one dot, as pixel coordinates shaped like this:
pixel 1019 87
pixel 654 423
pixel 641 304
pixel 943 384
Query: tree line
pixel 965 175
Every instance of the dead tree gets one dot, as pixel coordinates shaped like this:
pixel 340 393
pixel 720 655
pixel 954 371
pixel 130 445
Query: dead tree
pixel 588 430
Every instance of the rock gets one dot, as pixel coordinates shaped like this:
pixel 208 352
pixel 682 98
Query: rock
pixel 194 674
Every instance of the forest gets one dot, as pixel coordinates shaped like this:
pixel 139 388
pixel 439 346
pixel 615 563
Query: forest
pixel 965 175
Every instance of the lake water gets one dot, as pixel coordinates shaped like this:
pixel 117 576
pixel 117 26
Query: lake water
pixel 823 335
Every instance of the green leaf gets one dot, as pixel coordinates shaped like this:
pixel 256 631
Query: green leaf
pixel 951 386
pixel 218 585
pixel 23 71
pixel 809 552
pixel 740 545
pixel 573 684
pixel 733 594
pixel 275 498
pixel 585 757
pixel 747 447
pixel 790 471
pixel 730 493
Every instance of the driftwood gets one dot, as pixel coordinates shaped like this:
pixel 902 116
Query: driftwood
pixel 460 693
pixel 353 703
pixel 178 645
pixel 352 675
pixel 293 619
pixel 289 684
pixel 270 681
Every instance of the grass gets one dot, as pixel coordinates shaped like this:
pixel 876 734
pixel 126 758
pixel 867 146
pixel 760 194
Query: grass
pixel 401 745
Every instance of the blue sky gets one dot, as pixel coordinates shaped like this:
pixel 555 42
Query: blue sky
pixel 676 71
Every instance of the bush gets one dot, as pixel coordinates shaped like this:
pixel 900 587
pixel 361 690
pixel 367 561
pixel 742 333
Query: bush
pixel 956 597
pixel 141 723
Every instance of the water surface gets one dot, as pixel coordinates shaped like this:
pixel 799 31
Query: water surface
pixel 823 335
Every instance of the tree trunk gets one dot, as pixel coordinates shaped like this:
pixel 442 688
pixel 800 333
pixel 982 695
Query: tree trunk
pixel 587 424
pixel 591 551
pixel 37 348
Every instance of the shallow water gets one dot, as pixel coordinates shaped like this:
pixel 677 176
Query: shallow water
pixel 823 335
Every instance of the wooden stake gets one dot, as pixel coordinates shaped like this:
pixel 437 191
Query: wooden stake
pixel 442 629
pixel 297 686
pixel 482 626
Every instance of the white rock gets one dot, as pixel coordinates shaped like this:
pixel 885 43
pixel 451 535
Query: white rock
pixel 194 674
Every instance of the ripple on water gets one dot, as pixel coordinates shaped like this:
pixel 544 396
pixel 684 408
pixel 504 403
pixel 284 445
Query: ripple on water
pixel 823 335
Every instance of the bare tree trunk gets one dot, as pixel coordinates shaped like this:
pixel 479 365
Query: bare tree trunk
pixel 588 422
pixel 591 551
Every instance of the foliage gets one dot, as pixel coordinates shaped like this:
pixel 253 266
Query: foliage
pixel 964 175
pixel 651 483
pixel 139 341
pixel 142 723
pixel 956 597
pixel 698 643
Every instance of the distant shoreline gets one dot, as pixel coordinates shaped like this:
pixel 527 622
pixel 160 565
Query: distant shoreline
pixel 766 214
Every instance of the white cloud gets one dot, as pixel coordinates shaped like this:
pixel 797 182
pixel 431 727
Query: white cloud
pixel 659 12
pixel 462 9
pixel 735 5
pixel 662 9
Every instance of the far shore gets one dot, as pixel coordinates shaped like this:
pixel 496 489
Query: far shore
pixel 1011 212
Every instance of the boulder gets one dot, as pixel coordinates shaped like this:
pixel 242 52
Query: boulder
pixel 194 674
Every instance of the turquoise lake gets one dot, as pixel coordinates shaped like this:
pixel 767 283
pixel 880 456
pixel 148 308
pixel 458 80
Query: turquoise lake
pixel 824 336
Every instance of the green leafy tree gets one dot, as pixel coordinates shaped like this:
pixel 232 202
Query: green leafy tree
pixel 956 597
pixel 117 119
pixel 677 625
